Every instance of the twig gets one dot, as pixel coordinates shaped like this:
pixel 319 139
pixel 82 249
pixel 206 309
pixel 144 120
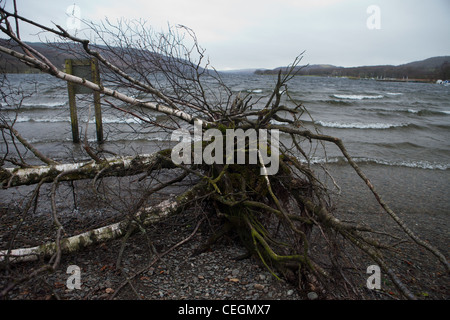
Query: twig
pixel 146 268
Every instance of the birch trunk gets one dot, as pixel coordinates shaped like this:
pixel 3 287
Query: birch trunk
pixel 118 166
pixel 145 216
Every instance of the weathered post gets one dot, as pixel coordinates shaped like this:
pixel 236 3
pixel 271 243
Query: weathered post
pixel 86 69
pixel 97 106
pixel 72 105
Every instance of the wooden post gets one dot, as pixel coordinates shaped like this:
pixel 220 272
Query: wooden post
pixel 97 106
pixel 72 105
pixel 87 69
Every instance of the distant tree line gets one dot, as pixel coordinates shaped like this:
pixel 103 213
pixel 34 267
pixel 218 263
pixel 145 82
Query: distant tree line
pixel 57 53
pixel 429 69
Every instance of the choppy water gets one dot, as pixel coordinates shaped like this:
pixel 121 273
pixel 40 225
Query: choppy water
pixel 384 125
pixel 392 124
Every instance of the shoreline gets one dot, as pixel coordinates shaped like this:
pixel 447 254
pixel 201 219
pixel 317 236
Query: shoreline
pixel 215 274
pixel 405 189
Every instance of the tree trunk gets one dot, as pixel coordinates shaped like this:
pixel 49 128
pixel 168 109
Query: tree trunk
pixel 118 166
pixel 144 217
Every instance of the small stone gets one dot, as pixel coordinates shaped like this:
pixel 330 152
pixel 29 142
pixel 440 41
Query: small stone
pixel 258 286
pixel 235 272
pixel 201 277
pixel 312 295
pixel 290 292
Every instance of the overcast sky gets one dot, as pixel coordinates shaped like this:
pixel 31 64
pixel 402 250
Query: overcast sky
pixel 267 34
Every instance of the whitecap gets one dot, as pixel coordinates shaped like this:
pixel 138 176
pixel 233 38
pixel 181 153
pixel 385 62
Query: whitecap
pixel 359 125
pixel 22 119
pixel 161 139
pixel 356 96
pixel 408 164
pixel 44 104
pixel 54 119
pixel 122 120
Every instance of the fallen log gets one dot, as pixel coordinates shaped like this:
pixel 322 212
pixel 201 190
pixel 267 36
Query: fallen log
pixel 116 166
pixel 145 216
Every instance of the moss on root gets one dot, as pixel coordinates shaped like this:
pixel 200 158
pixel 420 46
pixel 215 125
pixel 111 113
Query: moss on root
pixel 270 223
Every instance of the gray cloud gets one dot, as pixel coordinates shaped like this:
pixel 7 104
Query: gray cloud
pixel 267 34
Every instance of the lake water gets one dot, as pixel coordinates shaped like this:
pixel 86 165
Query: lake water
pixel 399 133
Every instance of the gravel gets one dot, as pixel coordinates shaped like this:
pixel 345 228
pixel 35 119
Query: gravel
pixel 179 274
pixel 214 274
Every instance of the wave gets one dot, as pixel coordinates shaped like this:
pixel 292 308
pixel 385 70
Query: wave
pixel 51 104
pixel 394 93
pixel 359 125
pixel 419 112
pixel 397 145
pixel 33 106
pixel 421 164
pixel 54 119
pixel 121 121
pixel 425 112
pixel 255 90
pixel 443 126
pixel 356 96
pixel 337 102
pixel 127 140
pixel 409 164
pixel 67 119
pixel 138 139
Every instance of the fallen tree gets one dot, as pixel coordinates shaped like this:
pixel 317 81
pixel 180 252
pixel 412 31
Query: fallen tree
pixel 143 217
pixel 13 177
pixel 272 213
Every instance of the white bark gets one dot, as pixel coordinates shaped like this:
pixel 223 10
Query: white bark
pixel 12 177
pixel 67 245
pixel 146 216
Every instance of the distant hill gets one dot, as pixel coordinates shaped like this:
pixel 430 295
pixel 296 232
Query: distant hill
pixel 10 64
pixel 58 52
pixel 429 69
